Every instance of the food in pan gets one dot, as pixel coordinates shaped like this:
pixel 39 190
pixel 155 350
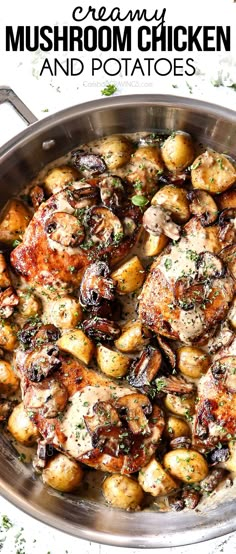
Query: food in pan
pixel 117 306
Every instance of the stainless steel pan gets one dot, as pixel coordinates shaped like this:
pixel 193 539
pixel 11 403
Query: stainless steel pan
pixel 20 159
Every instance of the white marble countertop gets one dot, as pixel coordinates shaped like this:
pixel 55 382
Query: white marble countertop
pixel 46 95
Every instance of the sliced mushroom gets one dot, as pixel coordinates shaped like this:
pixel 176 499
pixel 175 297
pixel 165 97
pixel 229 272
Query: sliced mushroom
pixel 37 196
pixel 49 397
pixel 204 417
pixel 112 191
pixel 157 220
pixel 104 226
pixel 82 197
pixel 224 371
pixel 203 206
pixel 144 369
pixel 87 161
pixel 168 351
pixel 209 266
pixel 96 285
pixel 212 480
pixel 112 440
pixel 46 333
pixel 8 300
pixel 228 255
pixel 44 452
pixel 188 293
pixel 223 337
pixel 28 332
pixel 41 362
pixel 101 329
pixel 65 229
pixel 180 442
pixel 227 225
pixel 105 415
pixel 174 385
pixel 218 455
pixel 187 498
pixel 135 407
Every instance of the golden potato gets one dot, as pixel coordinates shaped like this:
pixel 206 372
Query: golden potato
pixel 175 200
pixel 232 314
pixel 65 312
pixel 62 474
pixel 9 381
pixel 192 361
pixel 29 304
pixel 187 465
pixel 153 245
pixel 132 337
pixel 149 155
pixel 21 427
pixel 122 492
pixel 5 280
pixel 230 464
pixel 59 177
pixel 129 276
pixel 116 151
pixel 213 172
pixel 176 427
pixel 8 336
pixel 154 479
pixel 112 363
pixel 227 199
pixel 178 151
pixel 14 219
pixel 180 405
pixel 78 344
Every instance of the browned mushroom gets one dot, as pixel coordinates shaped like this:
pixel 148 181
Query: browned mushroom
pixel 44 452
pixel 212 480
pixel 222 338
pixel 168 351
pixel 65 229
pixel 228 255
pixel 135 407
pixel 157 220
pixel 37 196
pixel 105 227
pixel 218 455
pixel 6 406
pixel 41 362
pixel 223 371
pixel 209 266
pixel 187 498
pixel 101 329
pixel 5 280
pixel 49 397
pixel 174 385
pixel 180 442
pixel 203 206
pixel 188 293
pixel 82 197
pixel 227 225
pixel 96 285
pixel 204 418
pixel 112 191
pixel 45 334
pixel 144 369
pixel 85 161
pixel 8 300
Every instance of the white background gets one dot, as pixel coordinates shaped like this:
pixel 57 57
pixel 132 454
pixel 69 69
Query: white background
pixel 21 70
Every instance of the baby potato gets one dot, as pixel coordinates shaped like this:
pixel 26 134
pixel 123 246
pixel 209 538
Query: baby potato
pixel 65 312
pixel 8 336
pixel 59 177
pixel 192 361
pixel 175 200
pixel 213 172
pixel 21 427
pixel 153 245
pixel 112 363
pixel 78 344
pixel 227 199
pixel 232 314
pixel 187 465
pixel 29 304
pixel 5 280
pixel 129 276
pixel 116 151
pixel 9 381
pixel 178 151
pixel 180 405
pixel 230 464
pixel 176 427
pixel 132 337
pixel 122 492
pixel 15 217
pixel 150 154
pixel 62 474
pixel 154 479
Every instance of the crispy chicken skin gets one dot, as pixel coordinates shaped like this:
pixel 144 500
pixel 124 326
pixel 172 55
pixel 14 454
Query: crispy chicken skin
pixel 158 307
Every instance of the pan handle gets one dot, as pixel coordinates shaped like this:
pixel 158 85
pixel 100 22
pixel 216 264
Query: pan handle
pixel 8 95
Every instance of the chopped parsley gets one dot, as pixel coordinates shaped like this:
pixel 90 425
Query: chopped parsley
pixel 109 90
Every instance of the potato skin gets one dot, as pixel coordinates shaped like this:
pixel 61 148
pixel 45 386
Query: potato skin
pixel 14 219
pixel 112 363
pixel 183 406
pixel 155 480
pixel 175 200
pixel 129 276
pixel 116 151
pixel 65 312
pixel 176 427
pixel 187 465
pixel 178 151
pixel 59 177
pixel 21 427
pixel 29 305
pixel 131 338
pixel 9 381
pixel 122 492
pixel 154 245
pixel 8 336
pixel 62 474
pixel 212 172
pixel 78 344
pixel 192 361
pixel 227 199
